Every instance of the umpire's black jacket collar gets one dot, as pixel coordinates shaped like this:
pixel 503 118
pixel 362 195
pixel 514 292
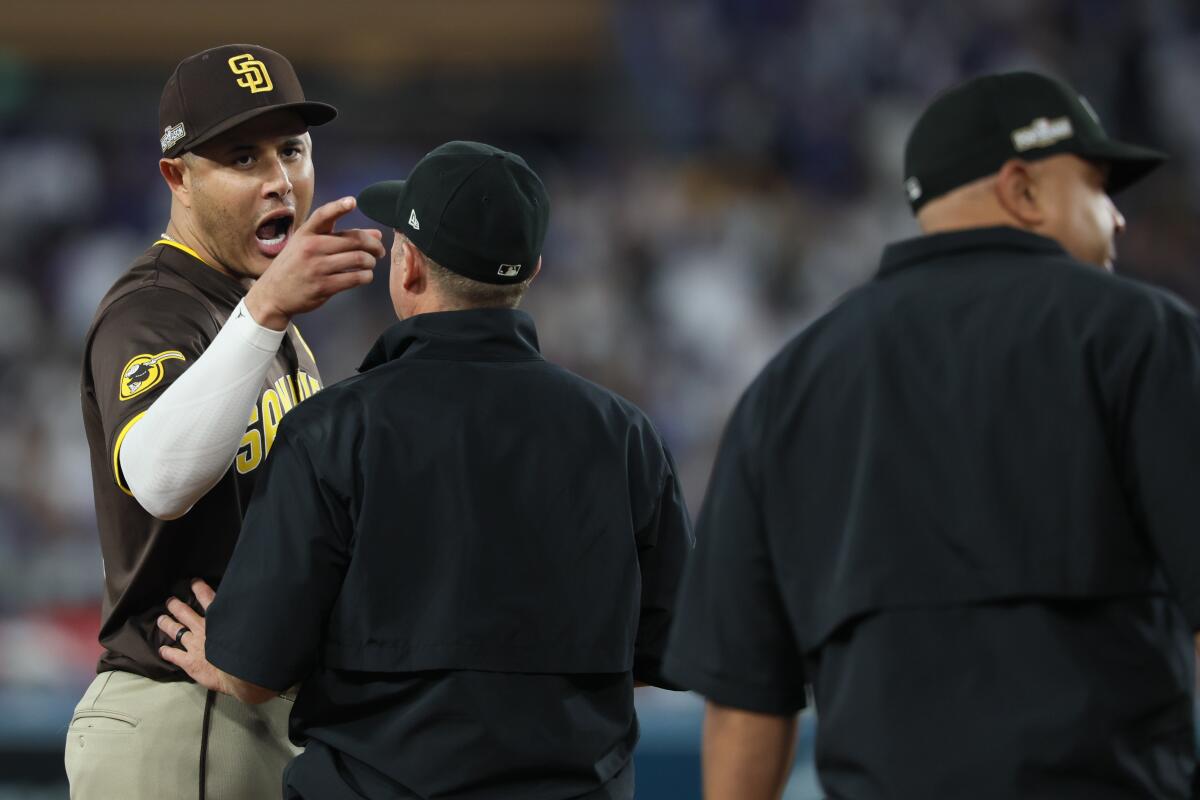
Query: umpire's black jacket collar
pixel 962 243
pixel 481 334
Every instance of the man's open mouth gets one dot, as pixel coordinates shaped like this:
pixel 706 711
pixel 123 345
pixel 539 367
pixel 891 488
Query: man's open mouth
pixel 273 233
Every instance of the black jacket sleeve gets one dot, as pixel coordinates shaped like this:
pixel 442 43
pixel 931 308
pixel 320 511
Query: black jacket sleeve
pixel 267 623
pixel 1161 447
pixel 664 544
pixel 732 641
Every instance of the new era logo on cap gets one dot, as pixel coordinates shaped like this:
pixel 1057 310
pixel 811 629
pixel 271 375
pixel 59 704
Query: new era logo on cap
pixel 912 188
pixel 412 220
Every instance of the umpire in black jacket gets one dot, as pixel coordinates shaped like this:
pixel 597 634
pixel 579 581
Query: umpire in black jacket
pixel 467 554
pixel 963 506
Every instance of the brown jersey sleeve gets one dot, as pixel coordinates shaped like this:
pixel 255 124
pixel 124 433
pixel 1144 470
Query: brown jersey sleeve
pixel 142 343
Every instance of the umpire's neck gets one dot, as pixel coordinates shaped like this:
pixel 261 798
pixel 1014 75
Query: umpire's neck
pixel 419 286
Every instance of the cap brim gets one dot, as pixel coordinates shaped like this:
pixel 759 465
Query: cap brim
pixel 1127 163
pixel 312 112
pixel 380 202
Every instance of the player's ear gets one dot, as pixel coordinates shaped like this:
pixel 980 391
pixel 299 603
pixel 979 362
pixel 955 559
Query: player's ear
pixel 413 273
pixel 1019 193
pixel 536 269
pixel 178 178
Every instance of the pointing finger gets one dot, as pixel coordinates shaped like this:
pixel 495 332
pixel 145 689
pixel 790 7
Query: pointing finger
pixel 323 219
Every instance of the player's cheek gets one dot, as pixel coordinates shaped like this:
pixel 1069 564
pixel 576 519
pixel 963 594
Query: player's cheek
pixel 303 185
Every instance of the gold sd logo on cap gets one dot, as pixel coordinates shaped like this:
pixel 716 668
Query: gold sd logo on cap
pixel 254 75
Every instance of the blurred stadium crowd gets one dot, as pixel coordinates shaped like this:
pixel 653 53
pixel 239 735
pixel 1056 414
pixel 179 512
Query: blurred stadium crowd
pixel 718 179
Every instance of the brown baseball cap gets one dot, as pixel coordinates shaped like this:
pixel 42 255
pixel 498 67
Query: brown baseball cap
pixel 222 87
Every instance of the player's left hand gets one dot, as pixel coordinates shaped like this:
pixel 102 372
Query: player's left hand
pixel 189 654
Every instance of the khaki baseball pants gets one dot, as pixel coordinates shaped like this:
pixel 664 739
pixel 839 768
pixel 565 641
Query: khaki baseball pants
pixel 132 738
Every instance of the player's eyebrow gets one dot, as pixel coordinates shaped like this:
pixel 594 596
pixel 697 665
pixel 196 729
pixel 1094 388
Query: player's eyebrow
pixel 293 141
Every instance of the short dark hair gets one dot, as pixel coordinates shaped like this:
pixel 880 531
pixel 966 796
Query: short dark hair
pixel 467 293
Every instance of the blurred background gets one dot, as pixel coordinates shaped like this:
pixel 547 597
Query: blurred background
pixel 720 172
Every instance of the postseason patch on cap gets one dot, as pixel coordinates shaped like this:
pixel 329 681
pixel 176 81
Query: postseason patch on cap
pixel 1042 132
pixel 171 135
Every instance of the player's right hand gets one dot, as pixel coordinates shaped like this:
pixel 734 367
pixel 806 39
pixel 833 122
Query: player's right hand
pixel 317 263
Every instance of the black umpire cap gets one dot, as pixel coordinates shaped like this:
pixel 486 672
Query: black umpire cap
pixel 971 130
pixel 475 209
pixel 222 87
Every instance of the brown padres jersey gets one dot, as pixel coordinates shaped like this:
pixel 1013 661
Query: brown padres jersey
pixel 152 325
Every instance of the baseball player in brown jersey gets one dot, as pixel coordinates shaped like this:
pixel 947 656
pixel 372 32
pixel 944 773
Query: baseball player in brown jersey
pixel 189 366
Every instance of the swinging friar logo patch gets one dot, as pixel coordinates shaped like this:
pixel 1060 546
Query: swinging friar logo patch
pixel 145 371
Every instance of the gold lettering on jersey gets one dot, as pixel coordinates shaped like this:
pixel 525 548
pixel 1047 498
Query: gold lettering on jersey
pixel 250 451
pixel 143 372
pixel 272 415
pixel 265 417
pixel 285 397
pixel 253 73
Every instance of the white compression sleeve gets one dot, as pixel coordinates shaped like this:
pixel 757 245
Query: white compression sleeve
pixel 189 436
